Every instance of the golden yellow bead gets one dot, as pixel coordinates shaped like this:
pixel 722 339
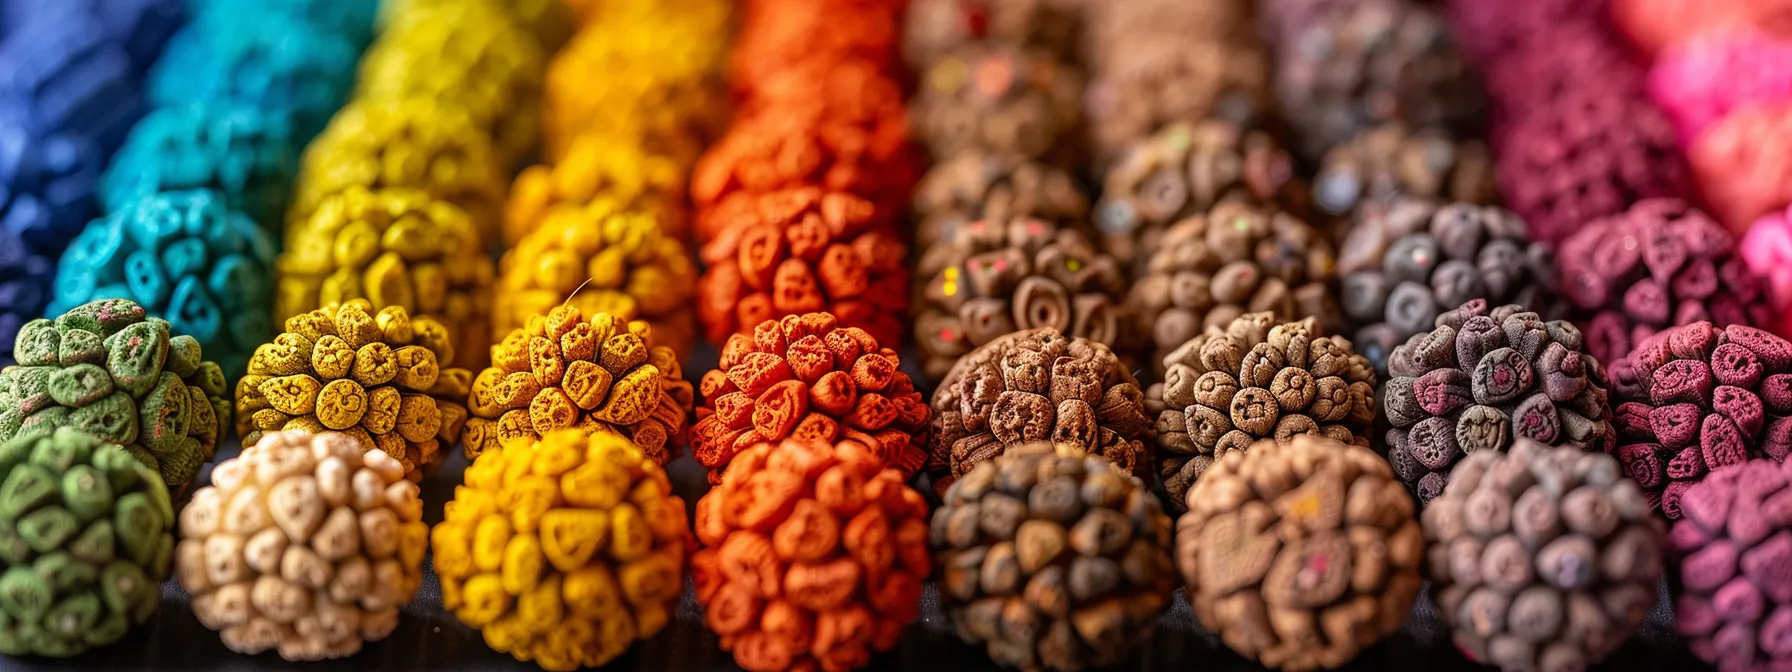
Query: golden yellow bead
pixel 619 172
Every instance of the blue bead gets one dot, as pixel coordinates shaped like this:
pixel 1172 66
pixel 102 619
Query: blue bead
pixel 297 71
pixel 140 26
pixel 237 150
pixel 25 278
pixel 61 74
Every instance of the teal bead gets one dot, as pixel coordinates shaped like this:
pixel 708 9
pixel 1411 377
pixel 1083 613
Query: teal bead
pixel 244 153
pixel 299 72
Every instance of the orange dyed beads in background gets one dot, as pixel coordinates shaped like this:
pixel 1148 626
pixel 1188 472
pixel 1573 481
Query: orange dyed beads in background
pixel 813 556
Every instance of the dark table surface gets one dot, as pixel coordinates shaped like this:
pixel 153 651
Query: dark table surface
pixel 429 638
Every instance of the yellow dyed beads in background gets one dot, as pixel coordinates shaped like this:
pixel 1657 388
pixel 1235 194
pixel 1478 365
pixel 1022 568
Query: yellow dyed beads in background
pixel 620 170
pixel 411 143
pixel 374 375
pixel 550 20
pixel 564 551
pixel 474 54
pixel 600 261
pixel 562 371
pixel 395 248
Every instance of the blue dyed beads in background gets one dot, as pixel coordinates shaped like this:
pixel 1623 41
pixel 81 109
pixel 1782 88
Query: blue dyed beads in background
pixel 187 258
pixel 243 152
pixel 301 69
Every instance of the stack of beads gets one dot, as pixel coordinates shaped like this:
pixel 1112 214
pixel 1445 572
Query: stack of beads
pixel 194 197
pixel 797 203
pixel 70 87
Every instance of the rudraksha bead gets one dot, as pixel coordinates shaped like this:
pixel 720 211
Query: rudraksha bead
pixel 813 556
pixel 1089 597
pixel 563 370
pixel 1542 558
pixel 808 378
pixel 780 35
pixel 1484 380
pixel 1037 385
pixel 809 251
pixel 394 248
pixel 599 261
pixel 1183 171
pixel 378 376
pixel 1697 398
pixel 565 550
pixel 1255 378
pixel 1208 270
pixel 1767 247
pixel 1393 159
pixel 1349 65
pixel 1702 82
pixel 306 544
pixel 1584 155
pixel 995 278
pixel 766 154
pixel 623 172
pixel 296 69
pixel 351 20
pixel 26 276
pixel 65 75
pixel 242 153
pixel 1740 164
pixel 1656 25
pixel 183 255
pixel 548 21
pixel 934 28
pixel 1728 558
pixel 1407 260
pixel 108 369
pixel 1493 32
pixel 1002 99
pixel 474 55
pixel 976 186
pixel 48 183
pixel 1660 264
pixel 404 144
pixel 86 544
pixel 1300 554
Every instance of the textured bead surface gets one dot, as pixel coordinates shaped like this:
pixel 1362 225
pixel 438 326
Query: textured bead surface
pixel 88 539
pixel 244 154
pixel 49 182
pixel 566 370
pixel 1207 270
pixel 767 154
pixel 977 186
pixel 1701 82
pixel 994 278
pixel 1053 559
pixel 381 377
pixel 1657 25
pixel 26 275
pixel 1255 378
pixel 1301 554
pixel 1406 261
pixel 1393 159
pixel 1183 171
pixel 62 73
pixel 809 378
pixel 185 257
pixel 397 248
pixel 305 544
pixel 1727 556
pixel 1697 398
pixel 1542 558
pixel 564 551
pixel 294 68
pixel 814 555
pixel 801 251
pixel 1767 247
pixel 1660 264
pixel 1740 164
pixel 404 144
pixel 1003 99
pixel 933 29
pixel 1483 380
pixel 599 260
pixel 1037 385
pixel 108 369
pixel 627 173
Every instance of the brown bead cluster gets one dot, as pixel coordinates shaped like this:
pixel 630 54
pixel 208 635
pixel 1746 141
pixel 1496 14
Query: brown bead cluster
pixel 934 28
pixel 1037 385
pixel 994 278
pixel 1209 269
pixel 813 556
pixel 1484 380
pixel 1408 260
pixel 306 544
pixel 801 251
pixel 1300 554
pixel 378 377
pixel 1001 99
pixel 599 260
pixel 1184 170
pixel 981 186
pixel 1256 378
pixel 398 248
pixel 1157 62
pixel 1053 559
pixel 564 370
pixel 806 377
pixel 1542 558
pixel 479 56
pixel 1394 159
pixel 1347 65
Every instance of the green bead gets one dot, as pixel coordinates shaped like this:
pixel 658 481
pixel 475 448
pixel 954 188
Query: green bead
pixel 135 356
pixel 49 528
pixel 82 347
pixel 127 589
pixel 113 418
pixel 79 385
pixel 65 572
pixel 43 423
pixel 37 343
pixel 181 464
pixel 61 453
pixel 139 526
pixel 104 317
pixel 27 388
pixel 164 416
pixel 71 618
pixel 86 493
pixel 13 549
pixel 24 594
pixel 183 356
pixel 95 545
pixel 26 488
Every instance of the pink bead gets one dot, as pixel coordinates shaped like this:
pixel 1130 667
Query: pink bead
pixel 1701 81
pixel 1742 164
pixel 1767 247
